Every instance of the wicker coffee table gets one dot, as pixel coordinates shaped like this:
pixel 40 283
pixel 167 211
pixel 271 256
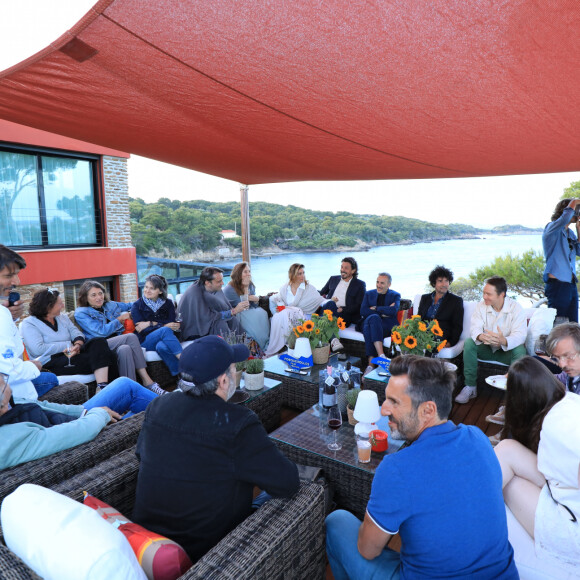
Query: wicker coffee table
pixel 376 383
pixel 305 440
pixel 266 402
pixel 301 391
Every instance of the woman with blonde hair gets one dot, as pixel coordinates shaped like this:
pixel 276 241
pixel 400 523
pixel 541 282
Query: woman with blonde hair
pixel 254 321
pixel 296 299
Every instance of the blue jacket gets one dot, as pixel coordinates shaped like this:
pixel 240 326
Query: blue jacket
pixel 22 442
pixel 560 257
pixel 386 311
pixel 104 324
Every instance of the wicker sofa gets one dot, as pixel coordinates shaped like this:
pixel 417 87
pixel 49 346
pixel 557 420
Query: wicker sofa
pixel 283 539
pixel 51 470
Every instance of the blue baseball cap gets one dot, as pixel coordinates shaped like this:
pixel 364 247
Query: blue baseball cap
pixel 209 357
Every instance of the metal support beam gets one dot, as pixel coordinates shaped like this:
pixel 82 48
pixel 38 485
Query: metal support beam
pixel 245 233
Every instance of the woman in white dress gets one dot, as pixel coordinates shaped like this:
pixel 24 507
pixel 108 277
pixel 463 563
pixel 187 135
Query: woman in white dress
pixel 540 464
pixel 296 299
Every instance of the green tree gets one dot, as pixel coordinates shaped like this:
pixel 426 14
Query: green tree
pixel 523 274
pixel 572 191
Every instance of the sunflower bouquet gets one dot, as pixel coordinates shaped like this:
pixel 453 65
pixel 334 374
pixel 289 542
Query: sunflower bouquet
pixel 416 336
pixel 320 330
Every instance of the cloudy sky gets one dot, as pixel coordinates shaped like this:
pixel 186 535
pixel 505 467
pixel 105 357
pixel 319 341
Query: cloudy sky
pixel 27 26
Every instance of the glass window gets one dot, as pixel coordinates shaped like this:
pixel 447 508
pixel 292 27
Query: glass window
pixel 47 200
pixel 69 201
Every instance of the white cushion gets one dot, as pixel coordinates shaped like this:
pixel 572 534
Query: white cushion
pixel 61 539
pixel 351 333
pixel 528 564
pixel 541 322
pixel 79 378
pixel 152 356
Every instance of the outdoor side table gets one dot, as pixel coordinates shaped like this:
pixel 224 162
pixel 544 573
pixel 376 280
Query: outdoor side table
pixel 266 403
pixel 300 391
pixel 305 440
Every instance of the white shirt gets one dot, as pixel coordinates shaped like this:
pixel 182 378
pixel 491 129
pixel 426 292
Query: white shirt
pixel 340 293
pixel 291 297
pixel 20 372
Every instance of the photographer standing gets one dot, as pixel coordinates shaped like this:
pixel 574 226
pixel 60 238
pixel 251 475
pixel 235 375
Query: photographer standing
pixel 561 247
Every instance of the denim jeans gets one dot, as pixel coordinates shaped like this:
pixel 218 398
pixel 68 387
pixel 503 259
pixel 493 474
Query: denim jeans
pixel 44 382
pixel 167 346
pixel 346 561
pixel 563 296
pixel 375 329
pixel 122 395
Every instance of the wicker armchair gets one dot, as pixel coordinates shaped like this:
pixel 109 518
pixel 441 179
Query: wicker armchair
pixel 283 539
pixel 51 470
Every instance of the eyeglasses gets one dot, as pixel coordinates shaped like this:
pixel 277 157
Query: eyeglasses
pixel 566 357
pixel 566 511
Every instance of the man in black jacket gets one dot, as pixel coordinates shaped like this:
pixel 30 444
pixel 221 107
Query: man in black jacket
pixel 202 456
pixel 345 291
pixel 442 305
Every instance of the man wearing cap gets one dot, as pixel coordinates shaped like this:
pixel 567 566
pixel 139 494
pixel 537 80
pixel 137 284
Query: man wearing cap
pixel 202 456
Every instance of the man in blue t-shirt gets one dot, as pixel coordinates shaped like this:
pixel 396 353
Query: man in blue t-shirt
pixel 442 493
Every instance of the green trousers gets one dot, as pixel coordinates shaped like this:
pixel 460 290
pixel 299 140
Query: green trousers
pixel 472 351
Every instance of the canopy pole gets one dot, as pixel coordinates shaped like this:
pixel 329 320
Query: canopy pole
pixel 245 225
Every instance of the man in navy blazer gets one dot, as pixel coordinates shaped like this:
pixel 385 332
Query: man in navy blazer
pixel 379 311
pixel 346 292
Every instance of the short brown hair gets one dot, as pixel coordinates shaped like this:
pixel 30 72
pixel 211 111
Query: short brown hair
pixel 84 290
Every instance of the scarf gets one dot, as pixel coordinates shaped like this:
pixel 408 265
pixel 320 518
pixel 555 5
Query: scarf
pixel 155 305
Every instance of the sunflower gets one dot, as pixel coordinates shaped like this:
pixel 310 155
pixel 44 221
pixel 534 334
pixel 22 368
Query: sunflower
pixel 410 342
pixel 299 329
pixel 340 323
pixel 327 312
pixel 422 326
pixel 329 315
pixel 415 316
pixel 441 346
pixel 295 333
pixel 308 325
pixel 429 347
pixel 315 315
pixel 396 337
pixel 317 331
pixel 436 330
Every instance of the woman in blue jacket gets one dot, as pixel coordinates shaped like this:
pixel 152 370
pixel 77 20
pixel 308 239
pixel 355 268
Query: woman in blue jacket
pixel 154 318
pixel 100 317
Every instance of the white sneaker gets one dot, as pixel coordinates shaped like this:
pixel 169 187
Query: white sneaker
pixel 157 389
pixel 466 394
pixel 335 345
pixel 498 418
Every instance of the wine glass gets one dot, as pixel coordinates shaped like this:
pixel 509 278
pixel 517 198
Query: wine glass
pixel 68 353
pixel 334 422
pixel 178 317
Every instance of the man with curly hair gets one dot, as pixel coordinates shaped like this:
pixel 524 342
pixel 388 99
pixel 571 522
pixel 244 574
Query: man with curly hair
pixel 443 306
pixel 379 315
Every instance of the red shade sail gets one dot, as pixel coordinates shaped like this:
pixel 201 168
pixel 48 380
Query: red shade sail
pixel 259 91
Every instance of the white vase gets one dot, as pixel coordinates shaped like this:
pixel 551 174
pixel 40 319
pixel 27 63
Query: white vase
pixel 254 382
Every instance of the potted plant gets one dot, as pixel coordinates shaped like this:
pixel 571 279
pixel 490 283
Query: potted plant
pixel 419 337
pixel 351 397
pixel 240 366
pixel 320 330
pixel 254 374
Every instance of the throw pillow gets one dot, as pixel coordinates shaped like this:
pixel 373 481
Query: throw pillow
pixel 61 539
pixel 160 557
pixel 541 322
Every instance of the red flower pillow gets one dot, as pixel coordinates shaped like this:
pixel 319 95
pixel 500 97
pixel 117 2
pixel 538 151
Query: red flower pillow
pixel 160 557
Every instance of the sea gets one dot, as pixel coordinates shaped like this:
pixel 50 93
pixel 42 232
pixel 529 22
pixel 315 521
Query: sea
pixel 409 265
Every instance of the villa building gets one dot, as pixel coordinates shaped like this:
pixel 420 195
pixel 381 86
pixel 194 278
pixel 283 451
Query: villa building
pixel 64 205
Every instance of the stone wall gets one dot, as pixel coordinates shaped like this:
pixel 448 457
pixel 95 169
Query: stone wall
pixel 117 202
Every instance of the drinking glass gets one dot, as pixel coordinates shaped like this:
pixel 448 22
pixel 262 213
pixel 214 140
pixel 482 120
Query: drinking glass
pixel 334 422
pixel 178 317
pixel 540 345
pixel 68 353
pixel 243 298
pixel 3 385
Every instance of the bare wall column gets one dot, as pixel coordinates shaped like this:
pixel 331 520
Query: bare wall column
pixel 245 208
